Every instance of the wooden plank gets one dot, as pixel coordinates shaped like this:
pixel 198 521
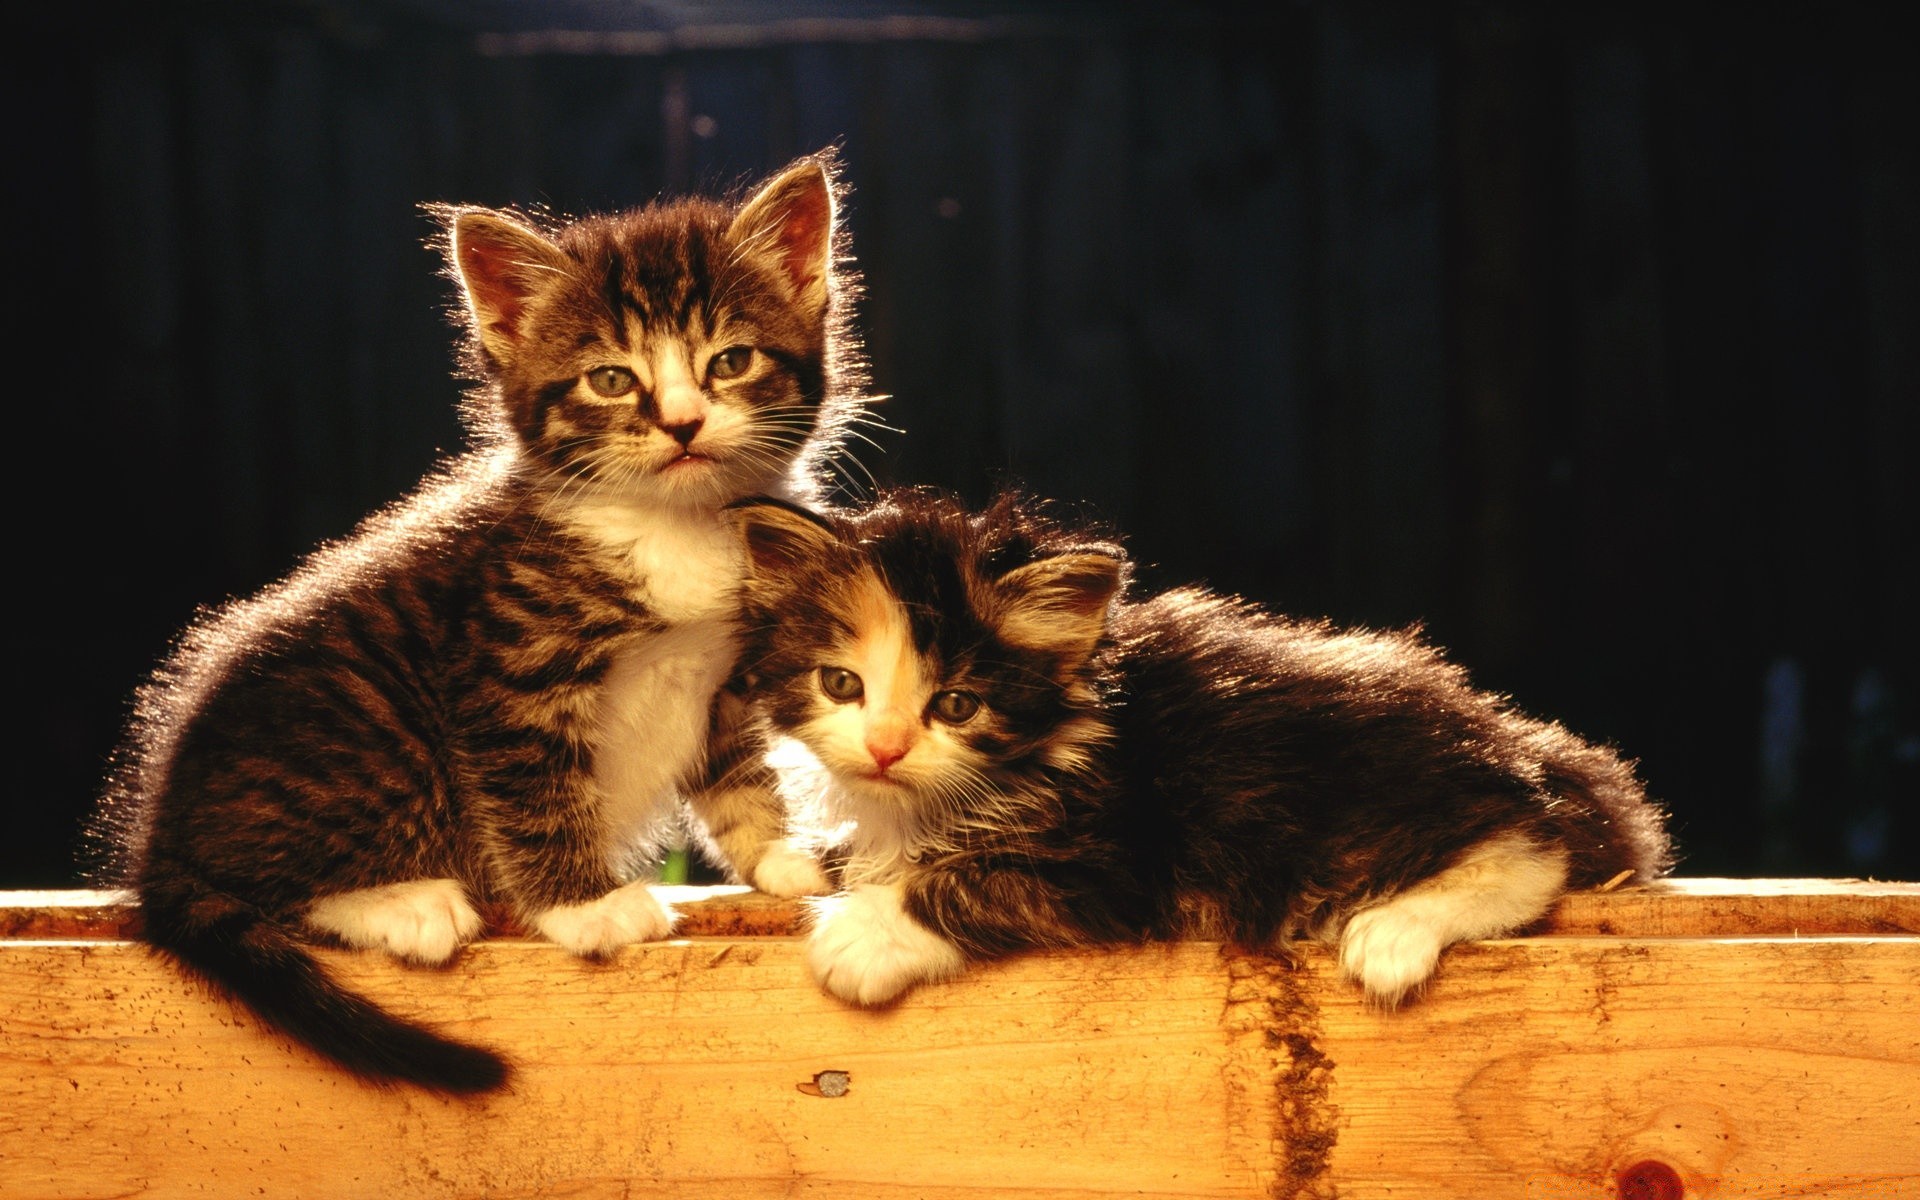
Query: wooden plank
pixel 1534 1067
pixel 1550 1067
pixel 1742 908
pixel 676 1069
pixel 1670 908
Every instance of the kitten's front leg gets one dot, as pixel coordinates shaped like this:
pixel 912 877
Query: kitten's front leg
pixel 867 949
pixel 785 869
pixel 746 824
pixel 741 811
pixel 548 863
pixel 559 883
pixel 873 941
pixel 420 921
pixel 595 929
pixel 540 814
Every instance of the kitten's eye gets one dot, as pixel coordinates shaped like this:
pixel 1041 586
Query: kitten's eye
pixel 841 685
pixel 955 708
pixel 610 381
pixel 732 361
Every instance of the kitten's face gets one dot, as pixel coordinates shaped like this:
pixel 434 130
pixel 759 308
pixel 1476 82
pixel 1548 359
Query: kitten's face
pixel 927 680
pixel 674 354
pixel 898 719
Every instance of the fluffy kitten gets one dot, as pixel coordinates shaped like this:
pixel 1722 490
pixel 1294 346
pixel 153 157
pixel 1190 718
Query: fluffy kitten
pixel 1020 755
pixel 494 692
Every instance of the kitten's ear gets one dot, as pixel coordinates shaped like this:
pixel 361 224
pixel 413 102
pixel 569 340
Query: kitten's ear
pixel 788 226
pixel 503 265
pixel 781 540
pixel 1059 604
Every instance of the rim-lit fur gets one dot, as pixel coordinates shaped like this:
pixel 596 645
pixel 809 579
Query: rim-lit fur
pixel 491 693
pixel 1156 766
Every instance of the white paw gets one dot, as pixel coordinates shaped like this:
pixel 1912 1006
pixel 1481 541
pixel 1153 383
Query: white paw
pixel 1389 951
pixel 784 871
pixel 865 949
pixel 421 921
pixel 597 928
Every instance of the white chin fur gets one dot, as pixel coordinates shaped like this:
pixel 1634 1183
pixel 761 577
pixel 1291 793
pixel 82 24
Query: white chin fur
pixel 1392 948
pixel 872 820
pixel 422 920
pixel 866 949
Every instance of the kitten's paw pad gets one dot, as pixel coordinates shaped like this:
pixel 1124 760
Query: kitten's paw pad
pixel 1389 952
pixel 865 949
pixel 784 871
pixel 597 928
pixel 422 920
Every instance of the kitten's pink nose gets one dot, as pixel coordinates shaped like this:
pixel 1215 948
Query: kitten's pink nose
pixel 888 745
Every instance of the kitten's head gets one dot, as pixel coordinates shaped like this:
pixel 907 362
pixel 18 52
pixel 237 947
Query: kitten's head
pixel 937 663
pixel 688 352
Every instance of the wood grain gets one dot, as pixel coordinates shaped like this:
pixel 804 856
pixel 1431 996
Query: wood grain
pixel 1753 1067
pixel 675 1070
pixel 1537 1068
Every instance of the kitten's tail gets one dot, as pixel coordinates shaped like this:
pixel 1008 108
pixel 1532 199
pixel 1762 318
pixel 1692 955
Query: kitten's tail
pixel 260 963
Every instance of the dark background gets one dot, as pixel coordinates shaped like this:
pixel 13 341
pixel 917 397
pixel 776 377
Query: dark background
pixel 1583 333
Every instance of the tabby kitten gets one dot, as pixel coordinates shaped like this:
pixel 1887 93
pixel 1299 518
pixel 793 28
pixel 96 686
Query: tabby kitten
pixel 494 692
pixel 1018 754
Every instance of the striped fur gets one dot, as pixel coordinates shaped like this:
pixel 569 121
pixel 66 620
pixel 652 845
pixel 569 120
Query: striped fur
pixel 493 693
pixel 1141 767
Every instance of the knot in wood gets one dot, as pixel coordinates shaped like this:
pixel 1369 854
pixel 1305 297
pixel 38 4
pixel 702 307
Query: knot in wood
pixel 1650 1179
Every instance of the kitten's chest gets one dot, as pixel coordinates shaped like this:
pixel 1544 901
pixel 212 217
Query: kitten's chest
pixel 654 715
pixel 654 704
pixel 684 567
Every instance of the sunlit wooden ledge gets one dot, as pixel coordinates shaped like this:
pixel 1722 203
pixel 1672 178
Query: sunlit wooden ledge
pixel 1709 1038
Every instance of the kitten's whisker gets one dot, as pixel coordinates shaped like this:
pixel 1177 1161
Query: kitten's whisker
pixel 863 417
